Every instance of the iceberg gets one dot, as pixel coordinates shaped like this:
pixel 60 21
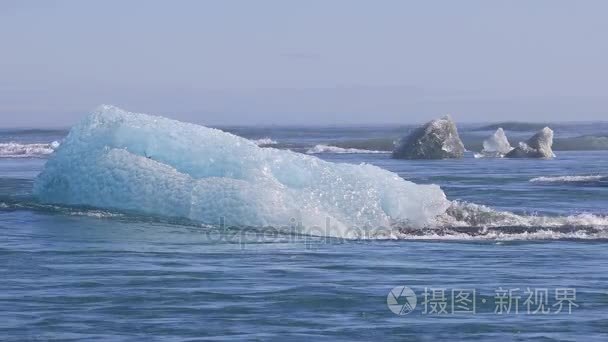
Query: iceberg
pixel 538 146
pixel 497 145
pixel 115 159
pixel 438 139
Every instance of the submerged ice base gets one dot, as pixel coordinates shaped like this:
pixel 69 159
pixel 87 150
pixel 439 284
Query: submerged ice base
pixel 136 162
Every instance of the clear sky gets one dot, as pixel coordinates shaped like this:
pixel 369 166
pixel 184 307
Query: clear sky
pixel 304 62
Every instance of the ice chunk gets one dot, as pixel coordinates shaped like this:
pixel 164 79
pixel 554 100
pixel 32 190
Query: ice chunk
pixel 438 139
pixel 497 145
pixel 539 146
pixel 498 142
pixel 127 161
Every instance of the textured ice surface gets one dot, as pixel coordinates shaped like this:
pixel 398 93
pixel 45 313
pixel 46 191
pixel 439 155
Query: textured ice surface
pixel 127 161
pixel 437 139
pixel 539 146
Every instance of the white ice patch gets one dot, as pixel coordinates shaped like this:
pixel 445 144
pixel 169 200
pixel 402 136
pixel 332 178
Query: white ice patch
pixel 128 161
pixel 334 149
pixel 18 150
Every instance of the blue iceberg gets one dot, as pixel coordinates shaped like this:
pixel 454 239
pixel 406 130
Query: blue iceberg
pixel 135 162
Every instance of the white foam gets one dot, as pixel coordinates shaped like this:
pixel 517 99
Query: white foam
pixel 18 150
pixel 95 214
pixel 567 179
pixel 463 214
pixel 468 221
pixel 544 234
pixel 264 142
pixel 334 149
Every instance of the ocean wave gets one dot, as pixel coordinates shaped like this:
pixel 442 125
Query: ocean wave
pixel 371 144
pixel 513 126
pixel 264 142
pixel 569 179
pixel 582 143
pixel 18 150
pixel 468 221
pixel 488 155
pixel 57 209
pixel 335 149
pixel 33 131
pixel 101 214
pixel 499 236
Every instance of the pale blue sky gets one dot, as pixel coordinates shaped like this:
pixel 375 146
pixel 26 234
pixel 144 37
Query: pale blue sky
pixel 304 62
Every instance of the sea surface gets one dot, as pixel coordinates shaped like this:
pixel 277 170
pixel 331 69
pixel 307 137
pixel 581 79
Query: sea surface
pixel 93 274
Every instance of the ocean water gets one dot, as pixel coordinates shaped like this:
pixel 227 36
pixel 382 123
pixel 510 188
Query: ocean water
pixel 73 273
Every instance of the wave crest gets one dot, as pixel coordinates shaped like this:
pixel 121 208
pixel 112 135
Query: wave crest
pixel 335 149
pixel 582 143
pixel 513 126
pixel 569 179
pixel 264 142
pixel 463 214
